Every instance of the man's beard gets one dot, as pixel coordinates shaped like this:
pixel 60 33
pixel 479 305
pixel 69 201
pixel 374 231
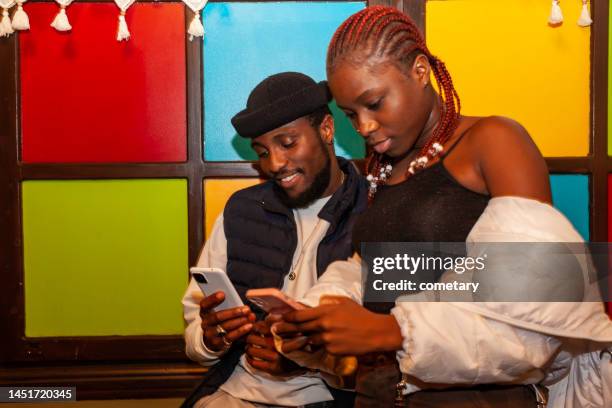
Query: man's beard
pixel 312 193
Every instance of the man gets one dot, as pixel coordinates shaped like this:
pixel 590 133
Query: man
pixel 282 233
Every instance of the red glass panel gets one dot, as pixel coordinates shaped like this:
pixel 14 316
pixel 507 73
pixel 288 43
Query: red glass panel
pixel 85 97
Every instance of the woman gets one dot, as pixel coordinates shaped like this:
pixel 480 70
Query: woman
pixel 436 176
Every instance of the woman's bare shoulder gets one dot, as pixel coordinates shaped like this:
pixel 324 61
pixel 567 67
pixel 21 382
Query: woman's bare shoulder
pixel 509 160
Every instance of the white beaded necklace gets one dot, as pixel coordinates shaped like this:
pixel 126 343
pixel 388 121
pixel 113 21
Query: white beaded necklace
pixel 384 170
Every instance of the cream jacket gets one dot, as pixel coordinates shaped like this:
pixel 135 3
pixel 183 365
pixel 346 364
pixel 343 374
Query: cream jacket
pixel 558 344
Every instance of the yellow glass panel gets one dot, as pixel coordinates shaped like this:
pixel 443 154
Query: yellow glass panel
pixel 216 194
pixel 506 60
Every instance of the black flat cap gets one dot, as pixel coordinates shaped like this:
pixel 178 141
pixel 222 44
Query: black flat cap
pixel 278 100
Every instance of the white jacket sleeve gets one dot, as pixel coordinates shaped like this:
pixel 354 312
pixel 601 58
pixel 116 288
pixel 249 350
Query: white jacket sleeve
pixel 341 278
pixel 449 345
pixel 214 255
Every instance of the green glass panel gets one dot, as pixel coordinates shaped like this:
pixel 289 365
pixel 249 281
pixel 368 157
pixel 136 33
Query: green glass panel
pixel 105 257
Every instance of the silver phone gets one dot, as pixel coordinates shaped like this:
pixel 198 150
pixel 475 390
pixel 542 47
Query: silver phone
pixel 211 280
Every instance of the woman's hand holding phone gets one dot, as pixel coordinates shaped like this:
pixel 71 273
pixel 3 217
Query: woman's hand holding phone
pixel 236 322
pixel 333 325
pixel 302 342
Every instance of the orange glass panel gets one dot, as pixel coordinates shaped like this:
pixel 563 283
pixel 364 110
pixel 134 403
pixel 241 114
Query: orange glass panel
pixel 216 194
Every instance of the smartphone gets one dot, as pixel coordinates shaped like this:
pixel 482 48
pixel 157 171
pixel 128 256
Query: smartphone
pixel 272 300
pixel 211 280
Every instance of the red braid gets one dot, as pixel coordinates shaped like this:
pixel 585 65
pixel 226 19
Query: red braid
pixel 387 32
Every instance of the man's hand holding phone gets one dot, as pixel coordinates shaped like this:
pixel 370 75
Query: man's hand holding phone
pixel 224 327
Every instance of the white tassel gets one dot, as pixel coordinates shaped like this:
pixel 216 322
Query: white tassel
pixel 5 25
pixel 585 17
pixel 20 18
pixel 122 32
pixel 60 22
pixel 196 29
pixel 556 16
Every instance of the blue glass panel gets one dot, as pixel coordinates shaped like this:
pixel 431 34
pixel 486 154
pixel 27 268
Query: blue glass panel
pixel 246 42
pixel 571 196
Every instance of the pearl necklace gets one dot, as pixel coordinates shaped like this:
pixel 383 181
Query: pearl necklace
pixel 421 162
pixel 380 179
pixel 384 170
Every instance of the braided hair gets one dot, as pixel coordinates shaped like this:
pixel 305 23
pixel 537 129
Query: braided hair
pixel 386 32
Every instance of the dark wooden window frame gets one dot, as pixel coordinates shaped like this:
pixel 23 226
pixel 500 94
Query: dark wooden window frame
pixel 155 366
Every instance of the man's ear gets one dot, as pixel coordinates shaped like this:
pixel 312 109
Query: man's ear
pixel 421 70
pixel 326 129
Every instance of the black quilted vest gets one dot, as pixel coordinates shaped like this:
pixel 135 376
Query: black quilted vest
pixel 261 240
